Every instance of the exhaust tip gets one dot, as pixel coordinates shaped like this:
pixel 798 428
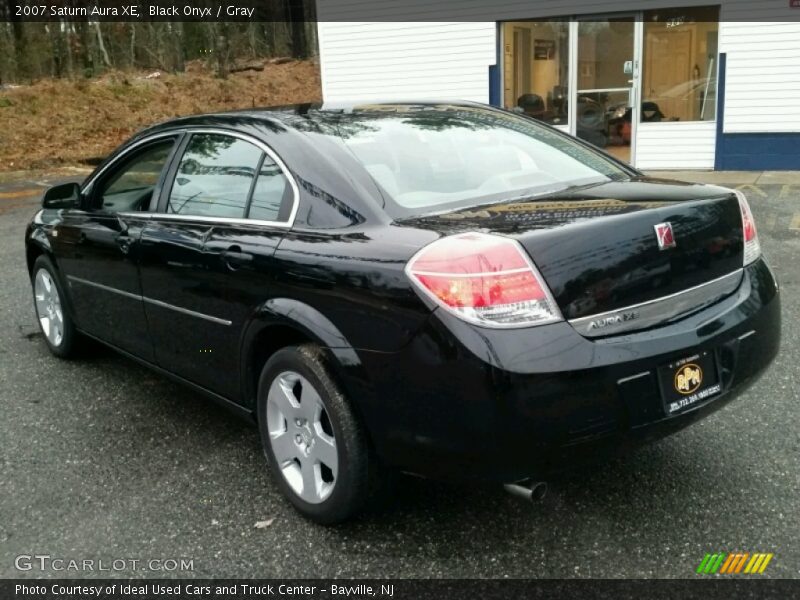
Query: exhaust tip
pixel 538 491
pixel 532 492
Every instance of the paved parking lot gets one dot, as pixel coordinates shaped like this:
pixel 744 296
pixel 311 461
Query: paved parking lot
pixel 101 459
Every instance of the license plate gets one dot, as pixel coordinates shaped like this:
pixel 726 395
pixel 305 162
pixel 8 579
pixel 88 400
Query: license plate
pixel 688 382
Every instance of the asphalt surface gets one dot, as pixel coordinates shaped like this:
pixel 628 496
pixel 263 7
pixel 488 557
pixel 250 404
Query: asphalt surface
pixel 102 459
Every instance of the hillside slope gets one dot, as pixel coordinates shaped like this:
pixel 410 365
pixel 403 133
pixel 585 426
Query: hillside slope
pixel 72 122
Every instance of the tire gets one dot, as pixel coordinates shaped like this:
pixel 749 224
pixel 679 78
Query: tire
pixel 591 115
pixel 318 451
pixel 52 313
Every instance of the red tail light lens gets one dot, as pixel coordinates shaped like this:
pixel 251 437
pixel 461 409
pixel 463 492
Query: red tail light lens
pixel 484 279
pixel 752 247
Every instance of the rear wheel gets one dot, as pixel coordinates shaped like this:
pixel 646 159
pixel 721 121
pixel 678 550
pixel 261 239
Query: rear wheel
pixel 54 320
pixel 317 449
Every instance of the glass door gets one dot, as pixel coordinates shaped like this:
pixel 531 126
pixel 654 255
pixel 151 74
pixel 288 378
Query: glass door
pixel 606 83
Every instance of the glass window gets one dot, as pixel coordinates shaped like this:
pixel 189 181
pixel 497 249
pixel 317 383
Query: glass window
pixel 679 81
pixel 271 191
pixel 603 111
pixel 536 69
pixel 214 177
pixel 605 53
pixel 131 187
pixel 444 157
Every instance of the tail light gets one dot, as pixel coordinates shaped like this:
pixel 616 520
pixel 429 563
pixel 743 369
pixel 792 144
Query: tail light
pixel 485 279
pixel 752 248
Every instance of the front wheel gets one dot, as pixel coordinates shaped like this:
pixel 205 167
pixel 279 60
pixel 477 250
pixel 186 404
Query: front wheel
pixel 318 451
pixel 54 319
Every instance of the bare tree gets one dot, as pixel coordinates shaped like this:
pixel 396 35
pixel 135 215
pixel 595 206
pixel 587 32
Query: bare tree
pixel 132 45
pixel 101 45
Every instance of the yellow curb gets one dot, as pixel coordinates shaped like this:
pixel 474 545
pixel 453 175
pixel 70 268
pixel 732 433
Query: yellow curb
pixel 20 193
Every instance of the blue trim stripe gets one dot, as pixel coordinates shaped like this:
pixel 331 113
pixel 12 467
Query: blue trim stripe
pixel 760 152
pixel 495 75
pixel 721 78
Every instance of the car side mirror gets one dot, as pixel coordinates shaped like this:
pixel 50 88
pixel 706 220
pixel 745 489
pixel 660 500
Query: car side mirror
pixel 66 195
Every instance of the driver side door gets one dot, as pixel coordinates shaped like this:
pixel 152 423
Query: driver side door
pixel 97 246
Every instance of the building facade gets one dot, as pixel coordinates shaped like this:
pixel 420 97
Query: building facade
pixel 694 86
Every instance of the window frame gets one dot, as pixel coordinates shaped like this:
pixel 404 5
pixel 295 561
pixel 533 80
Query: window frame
pixel 711 81
pixel 91 188
pixel 266 151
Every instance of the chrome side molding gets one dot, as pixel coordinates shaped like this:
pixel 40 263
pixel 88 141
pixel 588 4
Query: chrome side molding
pixel 153 301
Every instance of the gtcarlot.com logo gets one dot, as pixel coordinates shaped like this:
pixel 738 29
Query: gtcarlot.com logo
pixel 734 563
pixel 46 562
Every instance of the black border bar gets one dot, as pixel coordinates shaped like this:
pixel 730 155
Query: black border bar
pixel 701 588
pixel 362 10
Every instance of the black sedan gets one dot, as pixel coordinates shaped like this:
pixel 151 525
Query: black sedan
pixel 450 290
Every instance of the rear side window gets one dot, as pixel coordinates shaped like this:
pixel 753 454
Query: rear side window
pixel 215 177
pixel 271 193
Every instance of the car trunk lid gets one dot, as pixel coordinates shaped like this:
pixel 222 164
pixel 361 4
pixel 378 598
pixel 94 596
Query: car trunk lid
pixel 598 251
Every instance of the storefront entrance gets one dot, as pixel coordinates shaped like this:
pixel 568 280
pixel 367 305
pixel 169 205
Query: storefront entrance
pixel 633 84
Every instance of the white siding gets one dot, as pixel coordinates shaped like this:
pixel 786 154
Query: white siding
pixel 433 60
pixel 763 75
pixel 676 145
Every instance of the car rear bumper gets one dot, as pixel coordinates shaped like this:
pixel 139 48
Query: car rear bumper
pixel 460 402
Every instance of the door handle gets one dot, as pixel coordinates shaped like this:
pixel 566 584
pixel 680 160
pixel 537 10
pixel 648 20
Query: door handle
pixel 235 258
pixel 124 240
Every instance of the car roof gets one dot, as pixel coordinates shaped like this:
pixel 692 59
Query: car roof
pixel 288 114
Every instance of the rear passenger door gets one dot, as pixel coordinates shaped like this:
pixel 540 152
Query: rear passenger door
pixel 206 257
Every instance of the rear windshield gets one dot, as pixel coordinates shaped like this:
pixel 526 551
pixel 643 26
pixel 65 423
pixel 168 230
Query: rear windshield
pixel 430 159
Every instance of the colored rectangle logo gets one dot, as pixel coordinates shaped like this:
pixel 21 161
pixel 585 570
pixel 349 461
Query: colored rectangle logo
pixel 734 563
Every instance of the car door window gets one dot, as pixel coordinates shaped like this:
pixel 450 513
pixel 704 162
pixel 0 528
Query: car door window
pixel 214 177
pixel 271 192
pixel 130 187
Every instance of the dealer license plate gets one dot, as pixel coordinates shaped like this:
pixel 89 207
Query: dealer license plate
pixel 688 382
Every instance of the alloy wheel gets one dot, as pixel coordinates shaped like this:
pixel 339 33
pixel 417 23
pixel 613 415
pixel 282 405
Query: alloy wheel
pixel 301 437
pixel 48 307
